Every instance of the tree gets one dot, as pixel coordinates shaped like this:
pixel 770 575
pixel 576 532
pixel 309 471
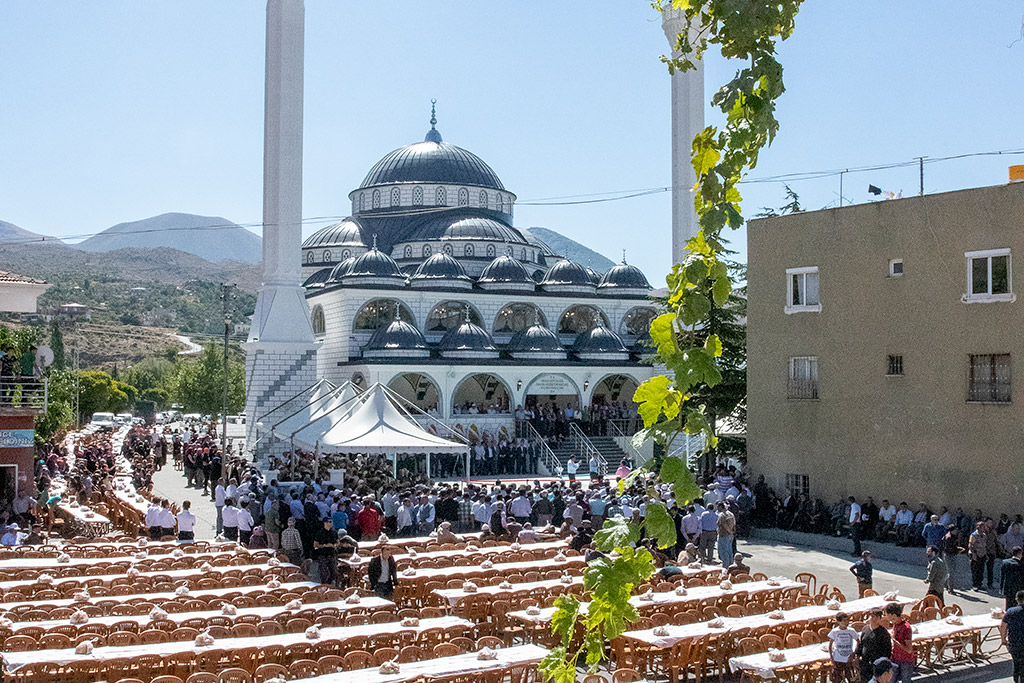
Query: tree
pixel 99 392
pixel 57 344
pixel 684 337
pixel 198 385
pixel 60 414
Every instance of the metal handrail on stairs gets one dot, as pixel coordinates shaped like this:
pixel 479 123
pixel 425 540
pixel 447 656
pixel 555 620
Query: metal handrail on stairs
pixel 585 449
pixel 638 459
pixel 525 430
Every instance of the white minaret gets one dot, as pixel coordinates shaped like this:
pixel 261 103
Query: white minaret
pixel 687 122
pixel 280 356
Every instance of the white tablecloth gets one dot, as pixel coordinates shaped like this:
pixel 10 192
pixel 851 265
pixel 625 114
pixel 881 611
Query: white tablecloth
pixel 473 537
pixel 693 595
pixel 295 586
pixel 758 621
pixel 484 552
pixel 370 602
pixel 16 660
pixel 446 573
pixel 454 595
pixel 44 563
pixel 192 573
pixel 440 667
pixel 810 654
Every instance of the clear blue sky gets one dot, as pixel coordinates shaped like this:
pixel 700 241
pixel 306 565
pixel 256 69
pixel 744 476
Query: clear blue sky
pixel 115 111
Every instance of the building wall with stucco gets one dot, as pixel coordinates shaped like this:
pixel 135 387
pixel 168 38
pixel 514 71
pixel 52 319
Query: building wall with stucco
pixel 922 435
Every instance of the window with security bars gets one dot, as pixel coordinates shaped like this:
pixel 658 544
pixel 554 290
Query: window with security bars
pixel 798 484
pixel 803 378
pixel 895 366
pixel 989 378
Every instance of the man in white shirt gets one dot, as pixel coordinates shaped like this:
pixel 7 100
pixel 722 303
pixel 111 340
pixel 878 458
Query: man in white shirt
pixel 153 519
pixel 855 526
pixel 245 522
pixel 521 508
pixel 166 518
pixel 186 522
pixel 12 536
pixel 424 516
pixel 220 494
pixel 230 518
pixel 886 520
pixel 904 520
pixel 404 523
pixel 571 467
pixel 390 502
pixel 481 512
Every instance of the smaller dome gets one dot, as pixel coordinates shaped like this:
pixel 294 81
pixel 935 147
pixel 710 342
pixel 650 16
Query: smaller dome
pixel 342 269
pixel 345 233
pixel 535 339
pixel 397 338
pixel 466 227
pixel 595 276
pixel 374 263
pixel 622 277
pixel 505 272
pixel 319 278
pixel 599 340
pixel 441 270
pixel 467 340
pixel 567 274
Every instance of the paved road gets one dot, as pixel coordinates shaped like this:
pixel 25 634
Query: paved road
pixel 170 483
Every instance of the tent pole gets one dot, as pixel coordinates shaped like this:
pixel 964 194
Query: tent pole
pixel 394 460
pixel 428 466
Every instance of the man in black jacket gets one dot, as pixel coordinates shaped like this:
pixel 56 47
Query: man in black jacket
pixel 875 642
pixel 1011 576
pixel 382 573
pixel 447 509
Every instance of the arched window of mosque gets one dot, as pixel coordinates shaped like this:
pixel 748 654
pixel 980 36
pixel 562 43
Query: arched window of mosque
pixel 407 252
pixel 426 250
pixel 463 197
pixel 441 197
pixel 362 201
pixel 376 199
pixel 310 256
pixel 327 255
pixel 522 255
pixel 490 250
pixel 483 198
pixel 468 250
pixel 501 204
pixel 417 196
pixel 380 312
pixel 450 314
pixel 345 253
pixel 396 196
pixel 581 318
pixel 509 251
pixel 637 321
pixel 448 249
pixel 515 317
pixel 319 322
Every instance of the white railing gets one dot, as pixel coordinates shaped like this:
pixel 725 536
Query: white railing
pixel 585 449
pixel 621 438
pixel 525 430
pixel 26 393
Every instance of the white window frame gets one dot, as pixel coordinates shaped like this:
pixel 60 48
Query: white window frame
pixel 803 308
pixel 892 267
pixel 815 380
pixel 989 297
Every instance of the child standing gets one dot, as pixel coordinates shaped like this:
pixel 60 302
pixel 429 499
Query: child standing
pixel 842 641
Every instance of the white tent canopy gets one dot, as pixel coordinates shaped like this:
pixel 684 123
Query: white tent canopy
pixel 313 425
pixel 378 426
pixel 307 396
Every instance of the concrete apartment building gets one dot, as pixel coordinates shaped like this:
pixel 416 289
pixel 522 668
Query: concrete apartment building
pixel 883 340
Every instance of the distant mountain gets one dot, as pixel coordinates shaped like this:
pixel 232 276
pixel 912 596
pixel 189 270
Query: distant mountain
pixel 211 237
pixel 571 249
pixel 13 234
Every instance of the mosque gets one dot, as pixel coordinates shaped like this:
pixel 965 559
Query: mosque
pixel 430 289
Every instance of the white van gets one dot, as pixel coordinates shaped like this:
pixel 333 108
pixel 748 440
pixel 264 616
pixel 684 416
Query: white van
pixel 102 421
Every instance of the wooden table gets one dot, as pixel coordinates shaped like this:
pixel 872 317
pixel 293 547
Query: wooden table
pixel 441 667
pixel 453 595
pixel 803 657
pixel 194 573
pixel 16 660
pixel 693 595
pixel 415 541
pixel 45 563
pixel 448 573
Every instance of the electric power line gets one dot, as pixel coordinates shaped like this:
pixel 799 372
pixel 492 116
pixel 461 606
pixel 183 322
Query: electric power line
pixel 565 200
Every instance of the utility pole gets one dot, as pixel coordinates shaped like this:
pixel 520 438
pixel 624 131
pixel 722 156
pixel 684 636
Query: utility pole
pixel 920 165
pixel 226 296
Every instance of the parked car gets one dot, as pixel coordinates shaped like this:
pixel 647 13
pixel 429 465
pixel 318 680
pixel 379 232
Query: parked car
pixel 124 418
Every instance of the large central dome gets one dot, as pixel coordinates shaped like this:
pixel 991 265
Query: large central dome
pixel 432 161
